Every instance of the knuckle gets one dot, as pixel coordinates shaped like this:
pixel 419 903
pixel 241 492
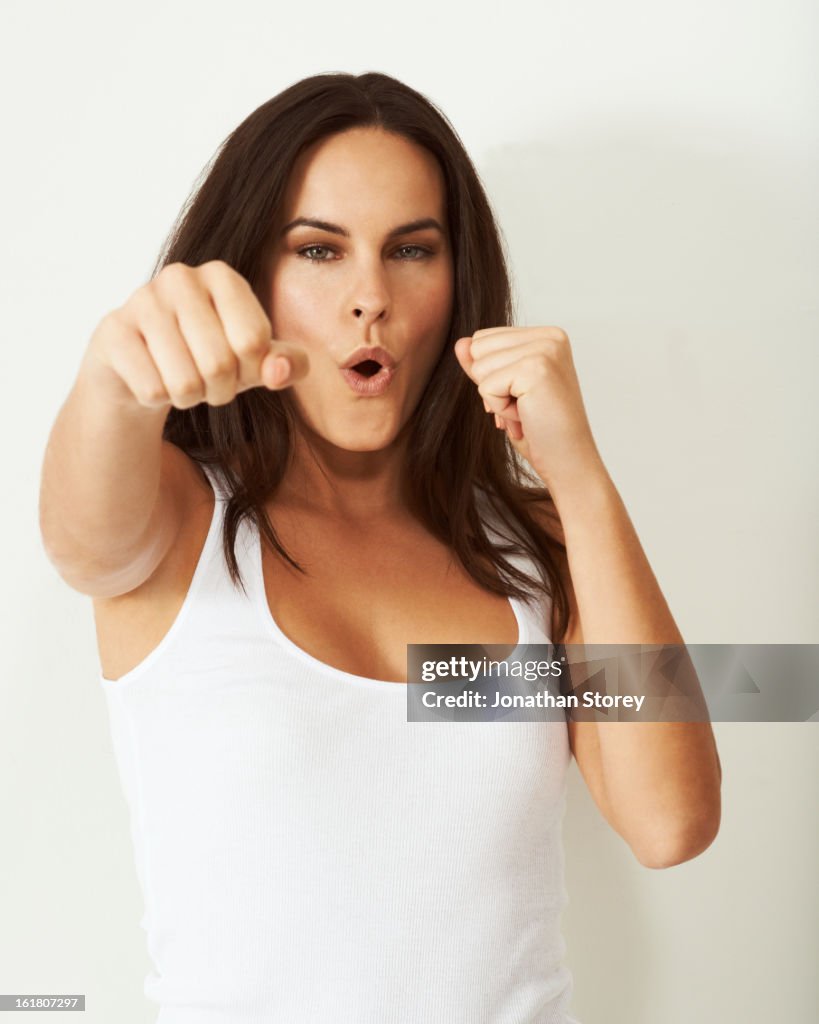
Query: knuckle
pixel 173 279
pixel 112 326
pixel 252 344
pixel 173 272
pixel 145 299
pixel 188 387
pixel 152 394
pixel 218 367
pixel 219 274
pixel 216 267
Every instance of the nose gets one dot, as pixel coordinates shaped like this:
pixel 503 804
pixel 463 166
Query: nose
pixel 371 298
pixel 367 317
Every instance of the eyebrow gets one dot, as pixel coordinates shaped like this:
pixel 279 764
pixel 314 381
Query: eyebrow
pixel 336 229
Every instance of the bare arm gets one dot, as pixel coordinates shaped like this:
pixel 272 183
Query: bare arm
pixel 656 783
pixel 112 491
pixel 104 520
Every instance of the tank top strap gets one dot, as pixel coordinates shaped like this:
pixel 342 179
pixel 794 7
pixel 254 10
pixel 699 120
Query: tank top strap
pixel 535 608
pixel 216 480
pixel 215 607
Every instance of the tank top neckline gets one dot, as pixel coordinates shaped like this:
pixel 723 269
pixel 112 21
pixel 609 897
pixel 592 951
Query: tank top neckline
pixel 272 628
pixel 258 598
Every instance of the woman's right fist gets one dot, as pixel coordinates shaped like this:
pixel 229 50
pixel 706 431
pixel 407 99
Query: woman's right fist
pixel 191 335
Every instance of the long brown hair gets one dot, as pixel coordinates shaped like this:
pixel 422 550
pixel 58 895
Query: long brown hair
pixel 453 445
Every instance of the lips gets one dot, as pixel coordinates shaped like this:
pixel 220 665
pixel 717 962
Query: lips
pixel 369 386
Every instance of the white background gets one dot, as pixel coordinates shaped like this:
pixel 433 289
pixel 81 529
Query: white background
pixel 653 167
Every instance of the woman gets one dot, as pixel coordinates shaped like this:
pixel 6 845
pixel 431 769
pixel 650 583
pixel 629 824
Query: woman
pixel 265 525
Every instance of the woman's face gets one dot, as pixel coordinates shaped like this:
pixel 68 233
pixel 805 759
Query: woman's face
pixel 355 283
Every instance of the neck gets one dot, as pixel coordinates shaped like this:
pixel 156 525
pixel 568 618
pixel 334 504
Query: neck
pixel 346 484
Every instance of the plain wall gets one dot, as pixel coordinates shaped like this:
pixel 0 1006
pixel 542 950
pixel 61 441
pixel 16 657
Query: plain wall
pixel 653 169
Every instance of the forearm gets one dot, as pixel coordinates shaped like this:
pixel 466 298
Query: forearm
pixel 100 476
pixel 661 779
pixel 619 599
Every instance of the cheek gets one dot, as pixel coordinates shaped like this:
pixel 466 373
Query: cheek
pixel 297 308
pixel 433 315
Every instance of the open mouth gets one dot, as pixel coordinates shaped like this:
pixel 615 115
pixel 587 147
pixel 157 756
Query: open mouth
pixel 369 377
pixel 367 368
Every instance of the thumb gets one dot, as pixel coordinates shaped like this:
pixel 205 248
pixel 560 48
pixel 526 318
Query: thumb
pixel 462 354
pixel 289 359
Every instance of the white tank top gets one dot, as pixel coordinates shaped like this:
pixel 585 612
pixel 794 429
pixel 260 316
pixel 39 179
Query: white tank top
pixel 306 855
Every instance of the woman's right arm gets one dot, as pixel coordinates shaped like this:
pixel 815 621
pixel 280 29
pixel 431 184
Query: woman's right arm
pixel 112 491
pixel 101 523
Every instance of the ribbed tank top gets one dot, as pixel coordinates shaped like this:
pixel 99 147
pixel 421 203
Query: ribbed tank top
pixel 308 856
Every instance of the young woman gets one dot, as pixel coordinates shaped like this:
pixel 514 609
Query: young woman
pixel 313 438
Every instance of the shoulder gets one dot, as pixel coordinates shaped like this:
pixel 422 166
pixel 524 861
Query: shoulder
pixel 132 624
pixel 187 476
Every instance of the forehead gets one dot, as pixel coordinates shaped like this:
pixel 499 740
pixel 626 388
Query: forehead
pixel 365 171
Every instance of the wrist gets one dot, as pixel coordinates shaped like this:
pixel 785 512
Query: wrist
pixel 582 478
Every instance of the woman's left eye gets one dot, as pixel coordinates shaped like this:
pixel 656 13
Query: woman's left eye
pixel 418 248
pixel 313 259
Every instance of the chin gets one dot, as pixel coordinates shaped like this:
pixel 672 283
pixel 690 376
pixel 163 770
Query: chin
pixel 360 428
pixel 366 437
pixel 368 442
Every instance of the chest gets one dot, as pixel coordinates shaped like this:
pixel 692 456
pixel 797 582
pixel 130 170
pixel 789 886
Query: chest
pixel 365 595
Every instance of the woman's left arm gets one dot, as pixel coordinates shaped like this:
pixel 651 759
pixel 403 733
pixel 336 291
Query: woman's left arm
pixel 656 783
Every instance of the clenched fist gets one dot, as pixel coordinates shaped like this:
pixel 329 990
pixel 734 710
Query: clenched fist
pixel 191 335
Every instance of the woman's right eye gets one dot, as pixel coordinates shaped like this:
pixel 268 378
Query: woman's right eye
pixel 307 248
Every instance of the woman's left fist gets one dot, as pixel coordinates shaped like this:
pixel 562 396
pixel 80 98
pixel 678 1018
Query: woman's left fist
pixel 526 377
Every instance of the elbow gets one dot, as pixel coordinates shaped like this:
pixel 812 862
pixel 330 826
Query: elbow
pixel 676 844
